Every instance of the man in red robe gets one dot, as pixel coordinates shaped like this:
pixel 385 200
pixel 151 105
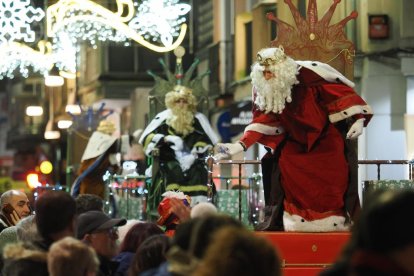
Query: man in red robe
pixel 299 110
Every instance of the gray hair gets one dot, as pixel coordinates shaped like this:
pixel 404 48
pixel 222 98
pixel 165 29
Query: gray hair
pixel 26 229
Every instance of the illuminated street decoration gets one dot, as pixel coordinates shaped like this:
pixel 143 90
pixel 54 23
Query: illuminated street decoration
pixel 70 22
pixel 66 50
pixel 15 19
pixel 86 20
pixel 159 20
pixel 17 56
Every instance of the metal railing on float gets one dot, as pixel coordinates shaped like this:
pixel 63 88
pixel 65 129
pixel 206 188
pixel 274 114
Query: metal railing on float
pixel 369 186
pixel 253 190
pixel 126 195
pixel 378 163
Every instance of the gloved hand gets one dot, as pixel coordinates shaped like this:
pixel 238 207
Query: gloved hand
pixel 226 150
pixel 356 129
pixel 176 142
pixel 156 140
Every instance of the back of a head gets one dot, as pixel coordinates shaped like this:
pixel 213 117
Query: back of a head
pixel 26 229
pixel 150 254
pixel 7 236
pixel 191 240
pixel 194 235
pixel 55 212
pixel 203 209
pixel 237 251
pixel 138 233
pixel 88 202
pixel 70 256
pixel 386 222
pixel 21 261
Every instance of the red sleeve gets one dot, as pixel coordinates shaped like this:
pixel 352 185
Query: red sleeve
pixel 251 137
pixel 263 129
pixel 343 102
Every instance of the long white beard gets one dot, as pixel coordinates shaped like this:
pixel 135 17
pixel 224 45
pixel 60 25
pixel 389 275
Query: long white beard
pixel 272 94
pixel 181 121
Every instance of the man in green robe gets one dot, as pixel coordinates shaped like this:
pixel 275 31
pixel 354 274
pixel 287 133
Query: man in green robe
pixel 184 138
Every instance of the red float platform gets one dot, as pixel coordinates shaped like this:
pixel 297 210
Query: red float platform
pixel 307 253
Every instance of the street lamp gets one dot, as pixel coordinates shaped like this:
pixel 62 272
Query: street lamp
pixel 53 78
pixel 34 110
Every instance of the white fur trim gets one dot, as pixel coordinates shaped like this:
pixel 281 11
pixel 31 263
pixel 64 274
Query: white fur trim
pixel 351 111
pixel 162 116
pixel 186 161
pixel 200 149
pixel 295 223
pixel 172 194
pixel 156 122
pixel 205 124
pixel 153 143
pixel 177 142
pixel 203 209
pixel 264 129
pixel 325 71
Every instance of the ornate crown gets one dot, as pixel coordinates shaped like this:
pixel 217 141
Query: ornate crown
pixel 182 90
pixel 271 56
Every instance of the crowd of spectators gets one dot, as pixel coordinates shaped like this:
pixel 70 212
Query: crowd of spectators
pixel 67 236
pixel 74 236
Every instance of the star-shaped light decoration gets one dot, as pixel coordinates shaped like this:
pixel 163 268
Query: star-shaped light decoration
pixel 15 19
pixel 159 20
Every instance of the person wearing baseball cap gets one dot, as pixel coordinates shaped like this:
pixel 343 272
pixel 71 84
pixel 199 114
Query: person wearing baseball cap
pixel 100 232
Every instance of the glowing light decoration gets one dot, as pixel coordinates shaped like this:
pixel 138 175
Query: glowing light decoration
pixel 160 20
pixel 70 22
pixel 65 49
pixel 15 19
pixel 17 56
pixel 84 20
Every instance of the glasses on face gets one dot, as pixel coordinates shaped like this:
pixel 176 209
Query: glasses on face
pixel 112 232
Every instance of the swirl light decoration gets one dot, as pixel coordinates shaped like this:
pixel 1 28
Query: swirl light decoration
pixel 69 22
pixel 86 20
